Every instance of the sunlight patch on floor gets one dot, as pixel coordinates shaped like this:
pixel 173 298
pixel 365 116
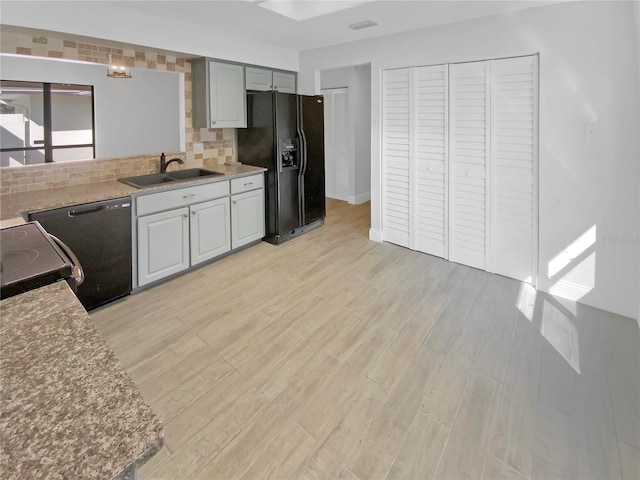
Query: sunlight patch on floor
pixel 559 329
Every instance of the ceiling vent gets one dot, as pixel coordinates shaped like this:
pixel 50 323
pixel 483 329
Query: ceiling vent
pixel 363 24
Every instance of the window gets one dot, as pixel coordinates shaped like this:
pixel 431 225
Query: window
pixel 45 122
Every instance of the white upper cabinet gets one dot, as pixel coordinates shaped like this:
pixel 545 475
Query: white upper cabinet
pixel 264 80
pixel 284 82
pixel 219 99
pixel 469 144
pixel 227 96
pixel 259 79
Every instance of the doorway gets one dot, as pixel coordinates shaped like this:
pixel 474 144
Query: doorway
pixel 347 94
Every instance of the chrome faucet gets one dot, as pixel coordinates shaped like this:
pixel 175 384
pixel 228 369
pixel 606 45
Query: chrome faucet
pixel 164 163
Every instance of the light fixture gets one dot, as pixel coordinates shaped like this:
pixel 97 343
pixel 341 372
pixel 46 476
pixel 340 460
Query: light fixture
pixel 115 71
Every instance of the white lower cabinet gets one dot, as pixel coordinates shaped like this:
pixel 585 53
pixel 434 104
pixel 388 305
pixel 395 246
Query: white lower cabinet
pixel 210 233
pixel 247 217
pixel 183 227
pixel 163 245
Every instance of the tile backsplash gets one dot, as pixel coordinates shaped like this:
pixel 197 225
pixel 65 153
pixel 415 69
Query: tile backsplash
pixel 218 143
pixel 51 175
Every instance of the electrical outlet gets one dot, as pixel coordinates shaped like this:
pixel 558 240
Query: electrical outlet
pixel 198 147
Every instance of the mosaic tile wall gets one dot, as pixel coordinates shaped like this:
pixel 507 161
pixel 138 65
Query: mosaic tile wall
pixel 38 177
pixel 218 143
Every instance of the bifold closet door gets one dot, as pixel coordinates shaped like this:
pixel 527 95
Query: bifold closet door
pixel 430 159
pixel 396 165
pixel 514 134
pixel 460 162
pixel 469 163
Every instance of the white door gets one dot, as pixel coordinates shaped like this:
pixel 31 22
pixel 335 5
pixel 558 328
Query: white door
pixel 210 230
pixel 247 218
pixel 430 158
pixel 468 163
pixel 338 161
pixel 514 140
pixel 163 245
pixel 396 150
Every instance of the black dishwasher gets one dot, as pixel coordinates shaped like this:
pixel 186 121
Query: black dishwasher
pixel 100 236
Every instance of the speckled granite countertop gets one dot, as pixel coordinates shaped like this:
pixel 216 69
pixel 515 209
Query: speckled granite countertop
pixel 67 407
pixel 15 204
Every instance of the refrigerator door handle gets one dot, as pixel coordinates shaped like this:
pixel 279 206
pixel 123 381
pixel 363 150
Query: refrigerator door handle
pixel 303 148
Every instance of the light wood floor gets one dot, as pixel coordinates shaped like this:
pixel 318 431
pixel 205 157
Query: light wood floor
pixel 332 356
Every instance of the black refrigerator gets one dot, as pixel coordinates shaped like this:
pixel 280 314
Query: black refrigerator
pixel 285 135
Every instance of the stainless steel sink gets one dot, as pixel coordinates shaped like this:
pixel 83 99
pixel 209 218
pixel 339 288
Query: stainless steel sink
pixel 162 178
pixel 192 173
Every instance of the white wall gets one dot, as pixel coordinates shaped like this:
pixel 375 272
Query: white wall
pixel 588 75
pixel 141 115
pixel 636 16
pixel 114 21
pixel 358 80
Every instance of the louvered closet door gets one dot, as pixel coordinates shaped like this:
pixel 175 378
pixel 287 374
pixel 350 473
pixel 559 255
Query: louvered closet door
pixel 514 102
pixel 468 158
pixel 430 102
pixel 396 134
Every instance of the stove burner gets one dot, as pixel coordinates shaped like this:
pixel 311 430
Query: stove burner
pixel 13 260
pixel 14 235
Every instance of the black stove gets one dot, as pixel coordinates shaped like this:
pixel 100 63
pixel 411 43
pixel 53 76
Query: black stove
pixel 30 258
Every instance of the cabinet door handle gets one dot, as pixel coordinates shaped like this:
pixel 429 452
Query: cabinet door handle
pixel 186 215
pixel 189 196
pixel 193 212
pixel 235 201
pixel 248 184
pixel 213 122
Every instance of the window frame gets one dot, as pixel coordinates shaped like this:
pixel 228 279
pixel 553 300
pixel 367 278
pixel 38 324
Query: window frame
pixel 47 143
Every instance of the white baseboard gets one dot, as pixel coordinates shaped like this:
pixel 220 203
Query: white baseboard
pixel 352 199
pixel 361 198
pixel 603 300
pixel 335 196
pixel 375 235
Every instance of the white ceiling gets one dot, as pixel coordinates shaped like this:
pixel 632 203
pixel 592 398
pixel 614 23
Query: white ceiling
pixel 247 18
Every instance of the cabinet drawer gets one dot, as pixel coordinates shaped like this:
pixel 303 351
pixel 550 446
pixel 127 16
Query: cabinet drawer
pixel 244 184
pixel 180 197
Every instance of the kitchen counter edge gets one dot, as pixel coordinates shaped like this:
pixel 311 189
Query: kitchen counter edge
pixel 15 206
pixel 52 403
